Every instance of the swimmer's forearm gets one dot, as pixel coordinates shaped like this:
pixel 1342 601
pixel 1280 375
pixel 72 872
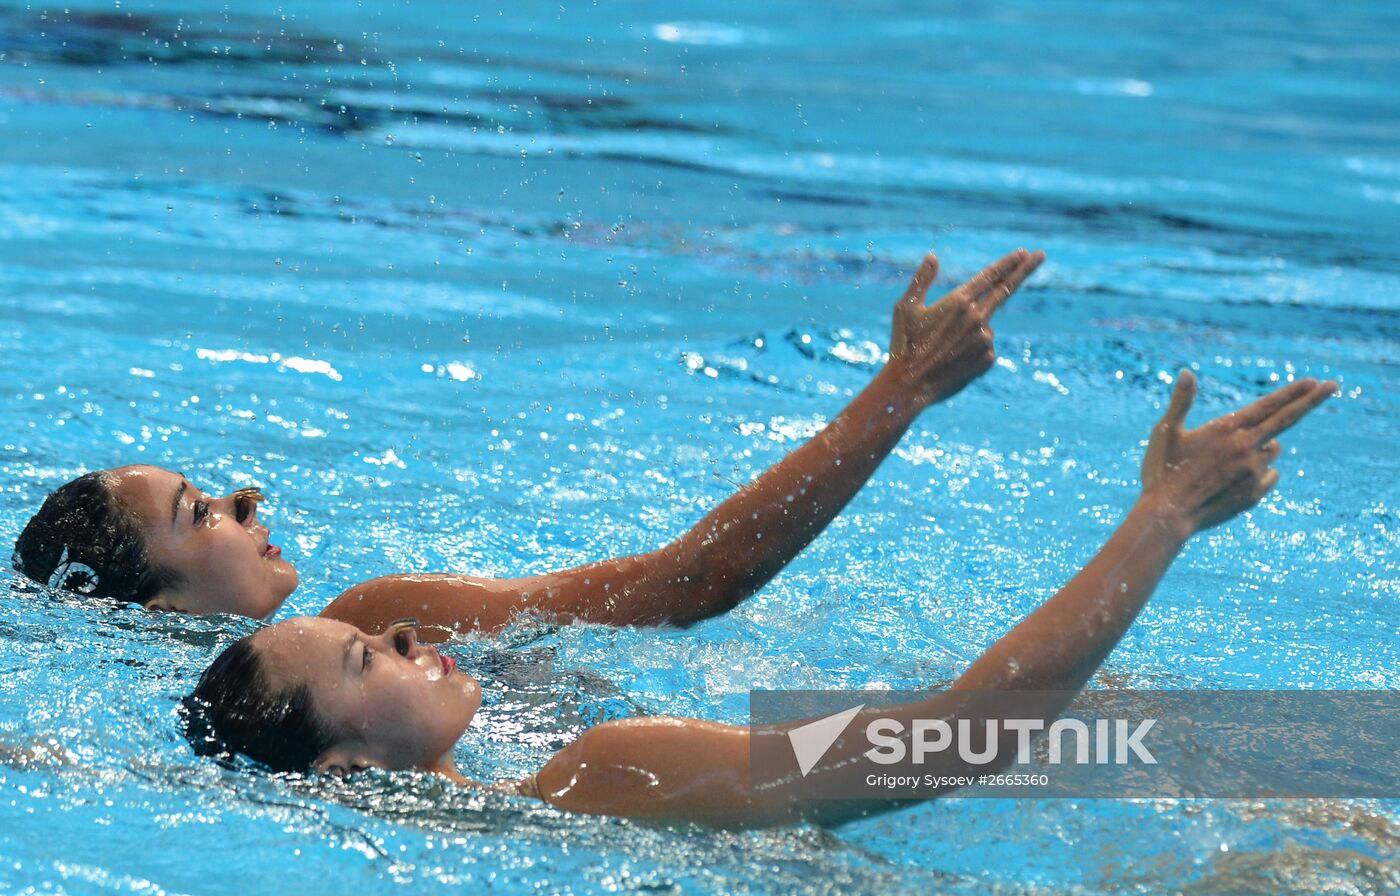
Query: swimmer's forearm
pixel 1061 644
pixel 744 542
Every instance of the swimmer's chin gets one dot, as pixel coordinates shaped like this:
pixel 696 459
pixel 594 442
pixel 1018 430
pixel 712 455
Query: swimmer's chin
pixel 472 688
pixel 289 571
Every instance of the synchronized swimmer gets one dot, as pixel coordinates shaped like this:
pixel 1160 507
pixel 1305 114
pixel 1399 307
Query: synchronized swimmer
pixel 145 535
pixel 325 695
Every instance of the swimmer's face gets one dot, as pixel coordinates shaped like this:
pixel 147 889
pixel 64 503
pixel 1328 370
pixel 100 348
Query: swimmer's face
pixel 224 564
pixel 399 704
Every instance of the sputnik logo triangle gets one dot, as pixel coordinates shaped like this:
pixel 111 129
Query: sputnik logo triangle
pixel 811 741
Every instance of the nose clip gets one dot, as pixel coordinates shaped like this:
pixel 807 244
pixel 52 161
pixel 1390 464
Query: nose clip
pixel 245 500
pixel 400 629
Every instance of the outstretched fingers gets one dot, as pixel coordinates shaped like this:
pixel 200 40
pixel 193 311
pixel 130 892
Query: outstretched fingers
pixel 998 294
pixel 1263 408
pixel 923 279
pixel 989 277
pixel 1295 410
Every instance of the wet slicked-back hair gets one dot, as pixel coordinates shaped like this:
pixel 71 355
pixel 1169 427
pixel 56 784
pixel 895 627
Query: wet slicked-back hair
pixel 235 711
pixel 85 541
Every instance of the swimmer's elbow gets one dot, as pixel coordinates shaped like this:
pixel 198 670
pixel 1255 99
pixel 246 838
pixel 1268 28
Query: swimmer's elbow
pixel 370 606
pixel 355 604
pixel 703 584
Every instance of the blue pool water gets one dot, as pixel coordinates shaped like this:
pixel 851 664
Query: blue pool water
pixel 504 290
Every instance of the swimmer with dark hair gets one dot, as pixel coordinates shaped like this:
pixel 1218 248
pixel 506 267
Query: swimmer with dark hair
pixel 320 695
pixel 145 535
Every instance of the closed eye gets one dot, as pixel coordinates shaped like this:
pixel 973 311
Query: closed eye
pixel 366 659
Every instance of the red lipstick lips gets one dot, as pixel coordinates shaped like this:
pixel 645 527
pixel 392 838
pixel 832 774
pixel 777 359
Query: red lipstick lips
pixel 448 664
pixel 273 551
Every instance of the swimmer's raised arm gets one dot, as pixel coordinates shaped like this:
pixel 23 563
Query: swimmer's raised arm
pixel 684 768
pixel 935 351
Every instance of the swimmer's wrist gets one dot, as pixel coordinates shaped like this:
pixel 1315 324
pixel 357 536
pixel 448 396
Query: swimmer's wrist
pixel 906 387
pixel 1167 515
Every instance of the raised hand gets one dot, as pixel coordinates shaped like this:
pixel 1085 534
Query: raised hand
pixel 944 346
pixel 1222 468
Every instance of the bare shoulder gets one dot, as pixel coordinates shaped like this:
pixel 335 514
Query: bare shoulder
pixel 653 767
pixel 671 735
